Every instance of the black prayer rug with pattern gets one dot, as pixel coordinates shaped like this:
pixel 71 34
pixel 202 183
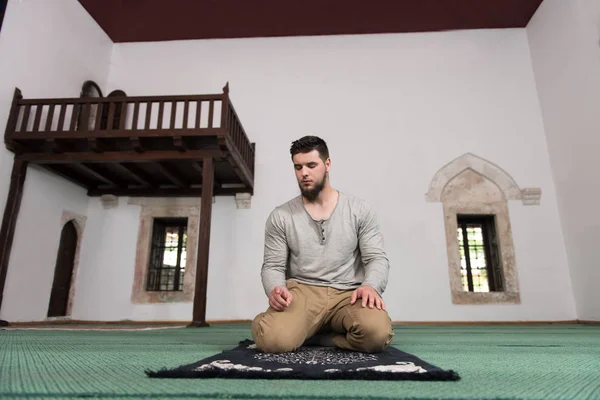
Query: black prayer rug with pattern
pixel 309 362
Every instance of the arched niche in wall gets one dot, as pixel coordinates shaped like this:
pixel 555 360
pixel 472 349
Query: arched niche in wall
pixel 88 113
pixel 119 111
pixel 67 265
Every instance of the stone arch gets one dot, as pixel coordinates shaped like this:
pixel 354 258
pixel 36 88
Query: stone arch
pixel 471 187
pixel 469 161
pixel 77 220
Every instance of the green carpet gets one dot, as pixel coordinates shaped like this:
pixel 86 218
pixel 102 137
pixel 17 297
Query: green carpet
pixel 495 362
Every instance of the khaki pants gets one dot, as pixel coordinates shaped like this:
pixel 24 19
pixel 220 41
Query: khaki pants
pixel 316 310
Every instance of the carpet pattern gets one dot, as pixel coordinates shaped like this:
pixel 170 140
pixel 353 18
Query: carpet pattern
pixel 309 362
pixel 536 362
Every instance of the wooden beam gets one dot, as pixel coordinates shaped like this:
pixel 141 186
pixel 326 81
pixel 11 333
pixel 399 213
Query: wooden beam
pixel 117 133
pixel 129 99
pixel 52 146
pixel 163 192
pixel 93 172
pixel 63 171
pixel 134 173
pixel 198 167
pixel 94 144
pixel 9 221
pixel 118 156
pixel 199 310
pixel 172 174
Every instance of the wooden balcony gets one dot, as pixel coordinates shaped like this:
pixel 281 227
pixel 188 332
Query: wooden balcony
pixel 135 146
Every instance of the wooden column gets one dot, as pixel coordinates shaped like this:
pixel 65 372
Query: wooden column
pixel 9 222
pixel 199 312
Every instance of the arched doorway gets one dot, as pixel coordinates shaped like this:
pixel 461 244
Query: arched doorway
pixel 63 271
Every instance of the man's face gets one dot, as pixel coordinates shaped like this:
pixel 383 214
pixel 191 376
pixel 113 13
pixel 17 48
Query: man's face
pixel 311 173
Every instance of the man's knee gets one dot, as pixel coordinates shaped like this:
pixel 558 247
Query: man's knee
pixel 373 332
pixel 272 337
pixel 377 338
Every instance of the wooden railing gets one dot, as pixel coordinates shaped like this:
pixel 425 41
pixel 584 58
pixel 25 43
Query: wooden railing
pixel 238 136
pixel 113 117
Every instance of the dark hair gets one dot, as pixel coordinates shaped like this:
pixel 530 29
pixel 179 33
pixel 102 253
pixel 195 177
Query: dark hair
pixel 307 144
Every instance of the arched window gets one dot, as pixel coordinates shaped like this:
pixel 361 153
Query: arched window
pixel 481 257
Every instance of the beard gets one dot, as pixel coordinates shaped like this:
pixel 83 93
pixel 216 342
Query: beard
pixel 312 194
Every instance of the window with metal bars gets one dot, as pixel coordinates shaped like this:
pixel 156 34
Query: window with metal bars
pixel 167 255
pixel 481 270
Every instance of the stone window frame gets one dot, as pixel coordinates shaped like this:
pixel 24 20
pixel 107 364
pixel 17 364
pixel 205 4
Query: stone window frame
pixel 451 209
pixel 78 221
pixel 152 208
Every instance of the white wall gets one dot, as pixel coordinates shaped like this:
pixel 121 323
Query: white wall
pixel 394 109
pixel 564 39
pixel 36 240
pixel 105 282
pixel 47 49
pixel 107 259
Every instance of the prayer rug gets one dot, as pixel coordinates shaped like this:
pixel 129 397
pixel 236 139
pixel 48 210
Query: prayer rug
pixel 309 362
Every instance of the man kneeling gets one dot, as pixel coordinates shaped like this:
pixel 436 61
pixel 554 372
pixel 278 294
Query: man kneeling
pixel 324 266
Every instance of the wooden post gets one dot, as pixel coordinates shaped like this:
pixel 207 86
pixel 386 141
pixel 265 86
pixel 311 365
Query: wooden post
pixel 9 222
pixel 199 311
pixel 11 124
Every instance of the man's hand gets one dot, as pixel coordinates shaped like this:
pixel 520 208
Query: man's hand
pixel 280 298
pixel 369 297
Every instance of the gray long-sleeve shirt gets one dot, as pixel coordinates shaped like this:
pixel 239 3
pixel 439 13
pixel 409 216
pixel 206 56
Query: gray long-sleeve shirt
pixel 344 252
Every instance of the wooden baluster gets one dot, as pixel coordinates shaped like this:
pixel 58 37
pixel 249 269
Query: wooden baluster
pixel 178 140
pixel 111 115
pixel 249 151
pixel 224 113
pixel 123 116
pixel 94 144
pixel 245 151
pixel 75 117
pixel 161 110
pixel 61 118
pixel 25 121
pixel 136 112
pixel 135 141
pixel 186 107
pixel 173 114
pixel 210 113
pixel 49 118
pixel 85 116
pixel 148 115
pixel 198 111
pixel 98 121
pixel 38 117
